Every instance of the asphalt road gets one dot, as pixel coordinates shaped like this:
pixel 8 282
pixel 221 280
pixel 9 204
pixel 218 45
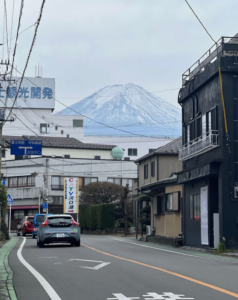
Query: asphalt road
pixel 113 268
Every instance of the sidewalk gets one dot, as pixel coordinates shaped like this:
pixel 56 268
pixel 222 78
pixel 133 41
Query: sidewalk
pixel 6 275
pixel 232 256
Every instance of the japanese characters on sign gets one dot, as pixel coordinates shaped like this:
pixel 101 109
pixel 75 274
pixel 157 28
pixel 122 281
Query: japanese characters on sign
pixel 71 187
pixel 34 92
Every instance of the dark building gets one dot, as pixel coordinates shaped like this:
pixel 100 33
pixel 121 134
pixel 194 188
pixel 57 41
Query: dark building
pixel 210 147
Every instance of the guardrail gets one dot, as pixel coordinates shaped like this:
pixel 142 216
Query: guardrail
pixel 227 44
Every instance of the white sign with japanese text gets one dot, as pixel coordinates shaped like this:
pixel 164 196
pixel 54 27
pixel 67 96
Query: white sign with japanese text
pixel 71 188
pixel 204 215
pixel 34 92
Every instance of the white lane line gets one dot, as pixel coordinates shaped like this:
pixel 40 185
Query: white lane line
pixel 46 286
pixel 161 249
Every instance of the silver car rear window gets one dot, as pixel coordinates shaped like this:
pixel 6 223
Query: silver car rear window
pixel 56 220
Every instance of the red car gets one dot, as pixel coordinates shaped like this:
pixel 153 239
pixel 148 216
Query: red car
pixel 25 225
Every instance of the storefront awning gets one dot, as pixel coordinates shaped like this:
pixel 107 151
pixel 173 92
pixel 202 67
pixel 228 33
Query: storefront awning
pixel 24 207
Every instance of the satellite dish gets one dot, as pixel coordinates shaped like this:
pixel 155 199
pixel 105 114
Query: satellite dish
pixel 49 199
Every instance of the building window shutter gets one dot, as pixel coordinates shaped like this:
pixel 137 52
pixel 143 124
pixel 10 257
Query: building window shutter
pixel 214 118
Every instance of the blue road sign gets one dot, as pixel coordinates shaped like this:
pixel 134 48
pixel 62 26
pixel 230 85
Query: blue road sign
pixel 22 147
pixel 3 182
pixel 9 199
pixel 44 205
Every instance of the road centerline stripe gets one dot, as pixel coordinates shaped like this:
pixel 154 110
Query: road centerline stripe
pixel 216 288
pixel 44 283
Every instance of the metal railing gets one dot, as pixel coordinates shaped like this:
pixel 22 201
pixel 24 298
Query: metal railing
pixel 204 143
pixel 211 55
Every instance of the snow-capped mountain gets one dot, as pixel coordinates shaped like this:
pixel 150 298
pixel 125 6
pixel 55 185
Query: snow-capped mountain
pixel 128 109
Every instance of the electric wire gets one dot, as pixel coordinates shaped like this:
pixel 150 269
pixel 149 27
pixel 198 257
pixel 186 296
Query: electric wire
pixel 200 21
pixel 13 6
pixel 5 9
pixel 28 58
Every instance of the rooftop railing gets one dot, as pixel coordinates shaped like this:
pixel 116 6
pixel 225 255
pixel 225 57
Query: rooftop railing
pixel 224 46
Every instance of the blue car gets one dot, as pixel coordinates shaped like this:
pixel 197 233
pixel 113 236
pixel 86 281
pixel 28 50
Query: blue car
pixel 36 223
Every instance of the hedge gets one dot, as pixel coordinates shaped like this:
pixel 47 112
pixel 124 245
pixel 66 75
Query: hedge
pixel 105 216
pixel 99 216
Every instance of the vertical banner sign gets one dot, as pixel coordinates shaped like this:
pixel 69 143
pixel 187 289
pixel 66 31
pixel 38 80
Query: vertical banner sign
pixel 204 215
pixel 71 189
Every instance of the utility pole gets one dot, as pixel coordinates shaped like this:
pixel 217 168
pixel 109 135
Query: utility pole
pixel 3 78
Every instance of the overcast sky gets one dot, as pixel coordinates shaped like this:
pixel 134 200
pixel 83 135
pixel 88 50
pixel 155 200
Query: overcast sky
pixel 88 44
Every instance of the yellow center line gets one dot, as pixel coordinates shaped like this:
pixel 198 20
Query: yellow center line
pixel 216 288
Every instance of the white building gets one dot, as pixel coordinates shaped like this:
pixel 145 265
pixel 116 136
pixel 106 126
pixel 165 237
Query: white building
pixel 26 178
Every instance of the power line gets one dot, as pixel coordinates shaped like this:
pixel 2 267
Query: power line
pixel 18 28
pixel 200 22
pixel 13 6
pixel 28 58
pixel 5 8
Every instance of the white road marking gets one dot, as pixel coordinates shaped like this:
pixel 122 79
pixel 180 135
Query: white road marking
pixel 48 257
pixel 46 286
pixel 97 267
pixel 161 249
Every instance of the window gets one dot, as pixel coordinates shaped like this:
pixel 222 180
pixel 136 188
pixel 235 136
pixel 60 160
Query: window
pixel 172 201
pixel 3 153
pixel 77 123
pixel 152 169
pixel 204 125
pixel 67 156
pixel 56 127
pixel 195 207
pixel 132 152
pixel 161 205
pixel 18 214
pixel 57 183
pixel 22 181
pixel 88 180
pixel 146 171
pixel 209 122
pixel 44 128
pixel 114 180
pixel 169 201
pixel 12 181
pixel 31 180
pixel 62 131
pixel 188 133
pixel 151 150
pixel 32 212
pixel 127 181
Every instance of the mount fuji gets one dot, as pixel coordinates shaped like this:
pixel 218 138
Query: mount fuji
pixel 127 110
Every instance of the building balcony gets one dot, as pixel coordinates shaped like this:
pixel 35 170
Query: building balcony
pixel 204 143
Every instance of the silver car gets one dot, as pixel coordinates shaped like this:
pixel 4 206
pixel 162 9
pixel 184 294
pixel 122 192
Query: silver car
pixel 58 229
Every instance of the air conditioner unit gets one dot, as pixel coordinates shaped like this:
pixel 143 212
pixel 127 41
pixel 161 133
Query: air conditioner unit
pixel 127 158
pixel 97 157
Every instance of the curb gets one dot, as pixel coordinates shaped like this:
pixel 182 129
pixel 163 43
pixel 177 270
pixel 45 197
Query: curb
pixel 7 291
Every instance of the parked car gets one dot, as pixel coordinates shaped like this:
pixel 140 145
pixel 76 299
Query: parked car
pixel 58 229
pixel 37 221
pixel 25 226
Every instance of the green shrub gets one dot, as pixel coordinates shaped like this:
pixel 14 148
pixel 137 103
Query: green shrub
pixel 146 210
pixel 105 216
pixel 221 249
pixel 91 216
pixel 83 216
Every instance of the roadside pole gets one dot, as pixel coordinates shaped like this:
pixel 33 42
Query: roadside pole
pixel 10 215
pixel 39 203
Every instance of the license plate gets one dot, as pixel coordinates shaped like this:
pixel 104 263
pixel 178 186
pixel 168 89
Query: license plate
pixel 59 235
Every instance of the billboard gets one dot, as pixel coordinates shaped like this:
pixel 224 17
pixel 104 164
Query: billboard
pixel 71 190
pixel 34 92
